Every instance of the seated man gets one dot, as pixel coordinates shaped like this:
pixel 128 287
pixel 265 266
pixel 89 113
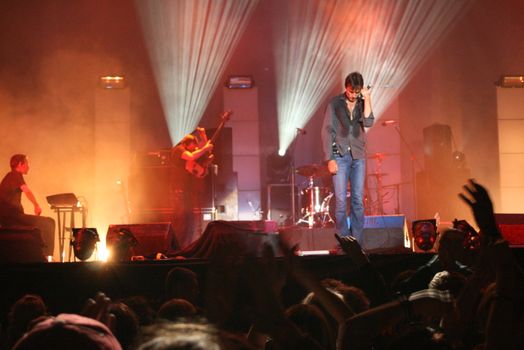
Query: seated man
pixel 11 210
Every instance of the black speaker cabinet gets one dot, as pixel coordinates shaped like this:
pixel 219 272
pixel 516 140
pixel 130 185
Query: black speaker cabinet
pixel 279 204
pixel 437 147
pixel 145 239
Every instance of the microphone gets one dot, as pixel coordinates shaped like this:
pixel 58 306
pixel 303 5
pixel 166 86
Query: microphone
pixel 389 122
pixel 359 96
pixel 301 131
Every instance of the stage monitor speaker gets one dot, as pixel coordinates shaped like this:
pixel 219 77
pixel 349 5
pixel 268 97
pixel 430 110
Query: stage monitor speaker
pixel 380 232
pixel 21 245
pixel 385 232
pixel 151 238
pixel 310 239
pixel 511 227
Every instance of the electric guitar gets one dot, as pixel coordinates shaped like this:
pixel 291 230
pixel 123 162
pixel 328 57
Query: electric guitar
pixel 199 167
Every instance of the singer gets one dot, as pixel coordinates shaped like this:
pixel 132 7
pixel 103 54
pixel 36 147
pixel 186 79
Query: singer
pixel 344 147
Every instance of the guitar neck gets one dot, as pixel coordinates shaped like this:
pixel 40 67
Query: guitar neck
pixel 215 134
pixel 225 116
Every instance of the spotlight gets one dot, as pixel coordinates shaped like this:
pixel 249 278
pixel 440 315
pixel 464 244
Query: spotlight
pixel 472 238
pixel 84 242
pixel 459 159
pixel 281 152
pixel 121 242
pixel 424 234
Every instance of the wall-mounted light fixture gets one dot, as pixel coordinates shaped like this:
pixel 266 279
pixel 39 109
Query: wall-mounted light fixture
pixel 511 81
pixel 240 82
pixel 112 82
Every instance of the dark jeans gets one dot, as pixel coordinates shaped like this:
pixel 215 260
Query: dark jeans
pixel 45 224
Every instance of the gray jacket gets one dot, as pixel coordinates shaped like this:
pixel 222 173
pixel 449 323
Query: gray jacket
pixel 344 133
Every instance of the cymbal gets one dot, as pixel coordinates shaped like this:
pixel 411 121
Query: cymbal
pixel 312 170
pixel 381 155
pixel 378 174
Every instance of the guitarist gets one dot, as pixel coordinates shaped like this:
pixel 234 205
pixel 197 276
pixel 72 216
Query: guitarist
pixel 185 187
pixel 192 148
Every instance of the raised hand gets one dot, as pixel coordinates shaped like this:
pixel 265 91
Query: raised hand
pixel 478 199
pixel 98 309
pixel 353 249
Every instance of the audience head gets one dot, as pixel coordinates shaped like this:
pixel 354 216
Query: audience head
pixel 126 325
pixel 182 283
pixel 68 331
pixel 310 320
pixel 142 308
pixel 23 311
pixel 175 309
pixel 451 248
pixel 312 299
pixel 446 280
pixel 188 335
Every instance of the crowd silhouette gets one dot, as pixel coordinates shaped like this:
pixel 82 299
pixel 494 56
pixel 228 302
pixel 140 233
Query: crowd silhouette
pixel 462 298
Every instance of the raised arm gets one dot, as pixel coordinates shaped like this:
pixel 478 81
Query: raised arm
pixel 368 111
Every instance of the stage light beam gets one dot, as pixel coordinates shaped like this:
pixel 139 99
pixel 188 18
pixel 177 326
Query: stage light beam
pixel 396 37
pixel 190 43
pixel 320 42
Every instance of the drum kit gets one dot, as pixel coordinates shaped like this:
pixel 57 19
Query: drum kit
pixel 315 208
pixel 318 202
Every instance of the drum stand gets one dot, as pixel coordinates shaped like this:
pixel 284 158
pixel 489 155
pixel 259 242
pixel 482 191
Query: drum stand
pixel 378 205
pixel 316 211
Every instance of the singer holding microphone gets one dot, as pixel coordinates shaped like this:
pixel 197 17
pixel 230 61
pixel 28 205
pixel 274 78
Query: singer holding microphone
pixel 344 148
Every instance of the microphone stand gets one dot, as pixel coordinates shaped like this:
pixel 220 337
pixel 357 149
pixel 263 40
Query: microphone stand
pixel 292 166
pixel 413 161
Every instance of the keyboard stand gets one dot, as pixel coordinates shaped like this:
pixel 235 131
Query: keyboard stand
pixel 62 212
